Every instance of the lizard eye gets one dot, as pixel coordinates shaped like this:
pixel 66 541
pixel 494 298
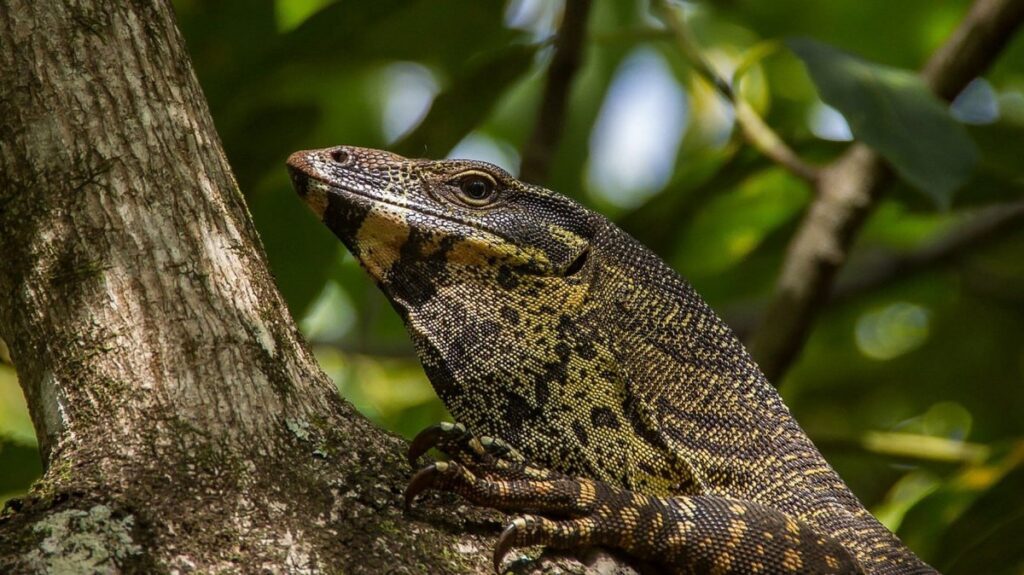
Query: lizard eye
pixel 476 188
pixel 340 157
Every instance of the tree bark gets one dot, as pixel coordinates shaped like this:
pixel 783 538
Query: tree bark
pixel 184 424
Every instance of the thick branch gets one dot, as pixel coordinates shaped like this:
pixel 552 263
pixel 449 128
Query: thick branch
pixel 850 188
pixel 974 45
pixel 551 117
pixel 847 192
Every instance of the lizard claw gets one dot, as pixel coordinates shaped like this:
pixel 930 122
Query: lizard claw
pixel 422 443
pixel 423 480
pixel 430 437
pixel 506 541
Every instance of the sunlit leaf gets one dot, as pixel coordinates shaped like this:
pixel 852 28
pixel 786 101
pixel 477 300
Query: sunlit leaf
pixel 753 56
pixel 394 392
pixel 733 224
pixel 15 424
pixel 892 111
pixel 291 13
pixel 19 455
pixel 907 492
pixel 986 536
pixel 976 510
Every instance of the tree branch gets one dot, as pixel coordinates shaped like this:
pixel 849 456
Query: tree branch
pixel 987 225
pixel 758 133
pixel 984 226
pixel 972 47
pixel 846 194
pixel 547 131
pixel 850 187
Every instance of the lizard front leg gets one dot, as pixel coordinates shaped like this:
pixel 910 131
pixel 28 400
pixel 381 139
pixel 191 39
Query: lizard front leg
pixel 688 534
pixel 484 455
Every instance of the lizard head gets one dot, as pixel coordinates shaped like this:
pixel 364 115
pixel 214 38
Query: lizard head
pixel 418 226
pixel 511 293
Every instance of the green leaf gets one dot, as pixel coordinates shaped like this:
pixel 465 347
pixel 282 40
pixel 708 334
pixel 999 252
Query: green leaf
pixel 19 455
pixel 734 224
pixel 892 111
pixel 438 33
pixel 21 465
pixel 15 423
pixel 972 523
pixel 291 13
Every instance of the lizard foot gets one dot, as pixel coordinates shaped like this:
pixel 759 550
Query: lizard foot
pixel 685 533
pixel 486 456
pixel 517 491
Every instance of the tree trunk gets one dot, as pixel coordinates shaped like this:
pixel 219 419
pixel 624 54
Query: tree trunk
pixel 183 421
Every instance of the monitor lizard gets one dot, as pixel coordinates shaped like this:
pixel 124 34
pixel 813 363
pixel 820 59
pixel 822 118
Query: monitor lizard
pixel 598 396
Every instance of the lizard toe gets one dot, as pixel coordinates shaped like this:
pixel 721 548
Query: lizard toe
pixel 442 435
pixel 529 530
pixel 424 479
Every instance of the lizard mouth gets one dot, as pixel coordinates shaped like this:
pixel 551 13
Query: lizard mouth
pixel 304 173
pixel 316 189
pixel 300 180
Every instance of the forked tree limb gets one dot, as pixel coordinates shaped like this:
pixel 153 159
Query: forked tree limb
pixel 980 228
pixel 851 187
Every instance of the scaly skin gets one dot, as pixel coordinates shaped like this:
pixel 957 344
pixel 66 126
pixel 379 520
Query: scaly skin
pixel 638 419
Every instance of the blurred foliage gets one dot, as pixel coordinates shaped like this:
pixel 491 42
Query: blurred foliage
pixel 913 389
pixel 19 456
pixel 892 111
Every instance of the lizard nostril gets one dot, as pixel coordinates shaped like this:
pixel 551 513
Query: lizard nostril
pixel 340 156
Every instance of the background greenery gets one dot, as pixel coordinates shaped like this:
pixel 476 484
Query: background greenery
pixel 912 389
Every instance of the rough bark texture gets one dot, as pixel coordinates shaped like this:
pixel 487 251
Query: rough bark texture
pixel 851 186
pixel 184 424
